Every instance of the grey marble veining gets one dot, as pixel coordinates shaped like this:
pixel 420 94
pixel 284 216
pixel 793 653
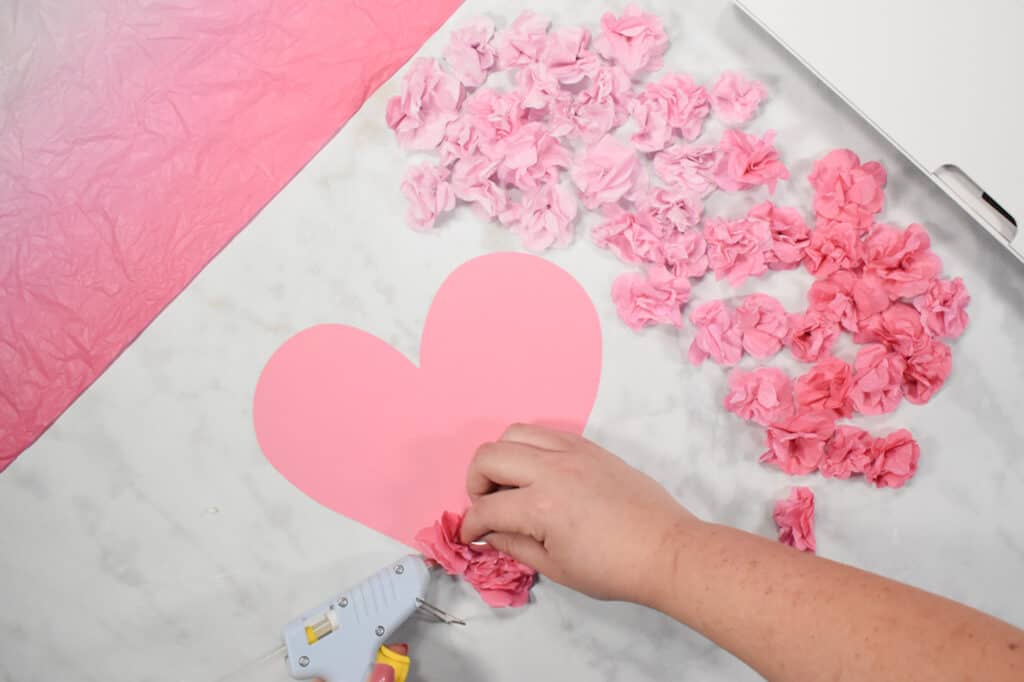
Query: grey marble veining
pixel 144 536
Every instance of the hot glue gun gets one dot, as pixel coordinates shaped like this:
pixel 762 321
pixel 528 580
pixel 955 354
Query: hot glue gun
pixel 343 638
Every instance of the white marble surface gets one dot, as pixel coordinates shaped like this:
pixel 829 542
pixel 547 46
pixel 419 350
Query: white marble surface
pixel 145 537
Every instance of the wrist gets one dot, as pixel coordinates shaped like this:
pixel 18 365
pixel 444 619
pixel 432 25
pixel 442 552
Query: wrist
pixel 671 558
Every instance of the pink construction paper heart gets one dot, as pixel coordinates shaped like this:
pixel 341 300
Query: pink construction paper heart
pixel 361 429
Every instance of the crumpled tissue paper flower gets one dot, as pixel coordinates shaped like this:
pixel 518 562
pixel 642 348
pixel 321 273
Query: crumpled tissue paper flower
pixel 673 103
pixel 893 460
pixel 926 372
pixel 737 248
pixel 833 247
pixel 763 395
pixel 846 190
pixel 633 237
pixel 877 380
pixel 672 207
pixel 532 158
pixel 811 335
pixel 735 99
pixel 429 101
pixel 566 55
pixel 539 89
pixel 745 162
pixel 598 108
pixel 686 253
pixel 636 41
pixel 656 298
pixel 607 171
pixel 461 139
pixel 797 445
pixel 473 182
pixel 902 260
pixel 794 518
pixel 717 336
pixel 847 453
pixel 826 388
pixel 898 327
pixel 495 116
pixel 523 41
pixel 470 53
pixel 545 217
pixel 501 580
pixel 789 232
pixel 764 324
pixel 690 166
pixel 833 296
pixel 943 308
pixel 429 193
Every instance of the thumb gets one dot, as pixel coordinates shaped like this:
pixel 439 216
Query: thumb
pixel 522 548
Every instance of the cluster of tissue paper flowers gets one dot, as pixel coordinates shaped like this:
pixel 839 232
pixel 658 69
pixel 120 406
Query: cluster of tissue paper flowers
pixel 578 127
pixel 500 579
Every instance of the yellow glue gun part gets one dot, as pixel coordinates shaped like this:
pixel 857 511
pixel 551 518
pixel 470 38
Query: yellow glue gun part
pixel 398 662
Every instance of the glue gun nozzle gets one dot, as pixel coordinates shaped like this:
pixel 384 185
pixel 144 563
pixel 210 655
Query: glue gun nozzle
pixel 443 616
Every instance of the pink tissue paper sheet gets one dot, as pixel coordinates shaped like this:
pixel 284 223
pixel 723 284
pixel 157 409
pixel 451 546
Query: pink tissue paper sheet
pixel 363 430
pixel 136 139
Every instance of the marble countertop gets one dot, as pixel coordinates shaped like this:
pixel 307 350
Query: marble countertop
pixel 145 537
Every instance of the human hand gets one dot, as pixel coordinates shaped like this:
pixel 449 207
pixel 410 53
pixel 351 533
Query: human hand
pixel 575 512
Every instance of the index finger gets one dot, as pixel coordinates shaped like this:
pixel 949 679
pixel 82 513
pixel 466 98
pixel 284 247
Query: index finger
pixel 501 464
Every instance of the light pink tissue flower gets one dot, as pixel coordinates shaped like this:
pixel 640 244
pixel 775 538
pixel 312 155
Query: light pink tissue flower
pixel 429 193
pixel 790 235
pixel 763 395
pixel 470 54
pixel 690 166
pixel 673 207
pixel 650 112
pixel 797 445
pixel 764 325
pixel 834 296
pixel 898 327
pixel 877 380
pixel 943 308
pixel 717 336
pixel 811 335
pixel 597 109
pixel 735 99
pixel 538 87
pixel 893 460
pixel 499 579
pixel 902 260
pixel 545 217
pixel 636 41
pixel 833 247
pixel 461 139
pixel 794 519
pixel 847 453
pixel 826 388
pixel 737 248
pixel 607 171
pixel 745 162
pixel 429 100
pixel 633 237
pixel 566 55
pixel 494 115
pixel 673 103
pixel 523 41
pixel 473 182
pixel 845 190
pixel 686 253
pixel 926 372
pixel 656 298
pixel 532 158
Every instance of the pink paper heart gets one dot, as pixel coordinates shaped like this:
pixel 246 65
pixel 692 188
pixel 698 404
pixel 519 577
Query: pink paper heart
pixel 358 427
